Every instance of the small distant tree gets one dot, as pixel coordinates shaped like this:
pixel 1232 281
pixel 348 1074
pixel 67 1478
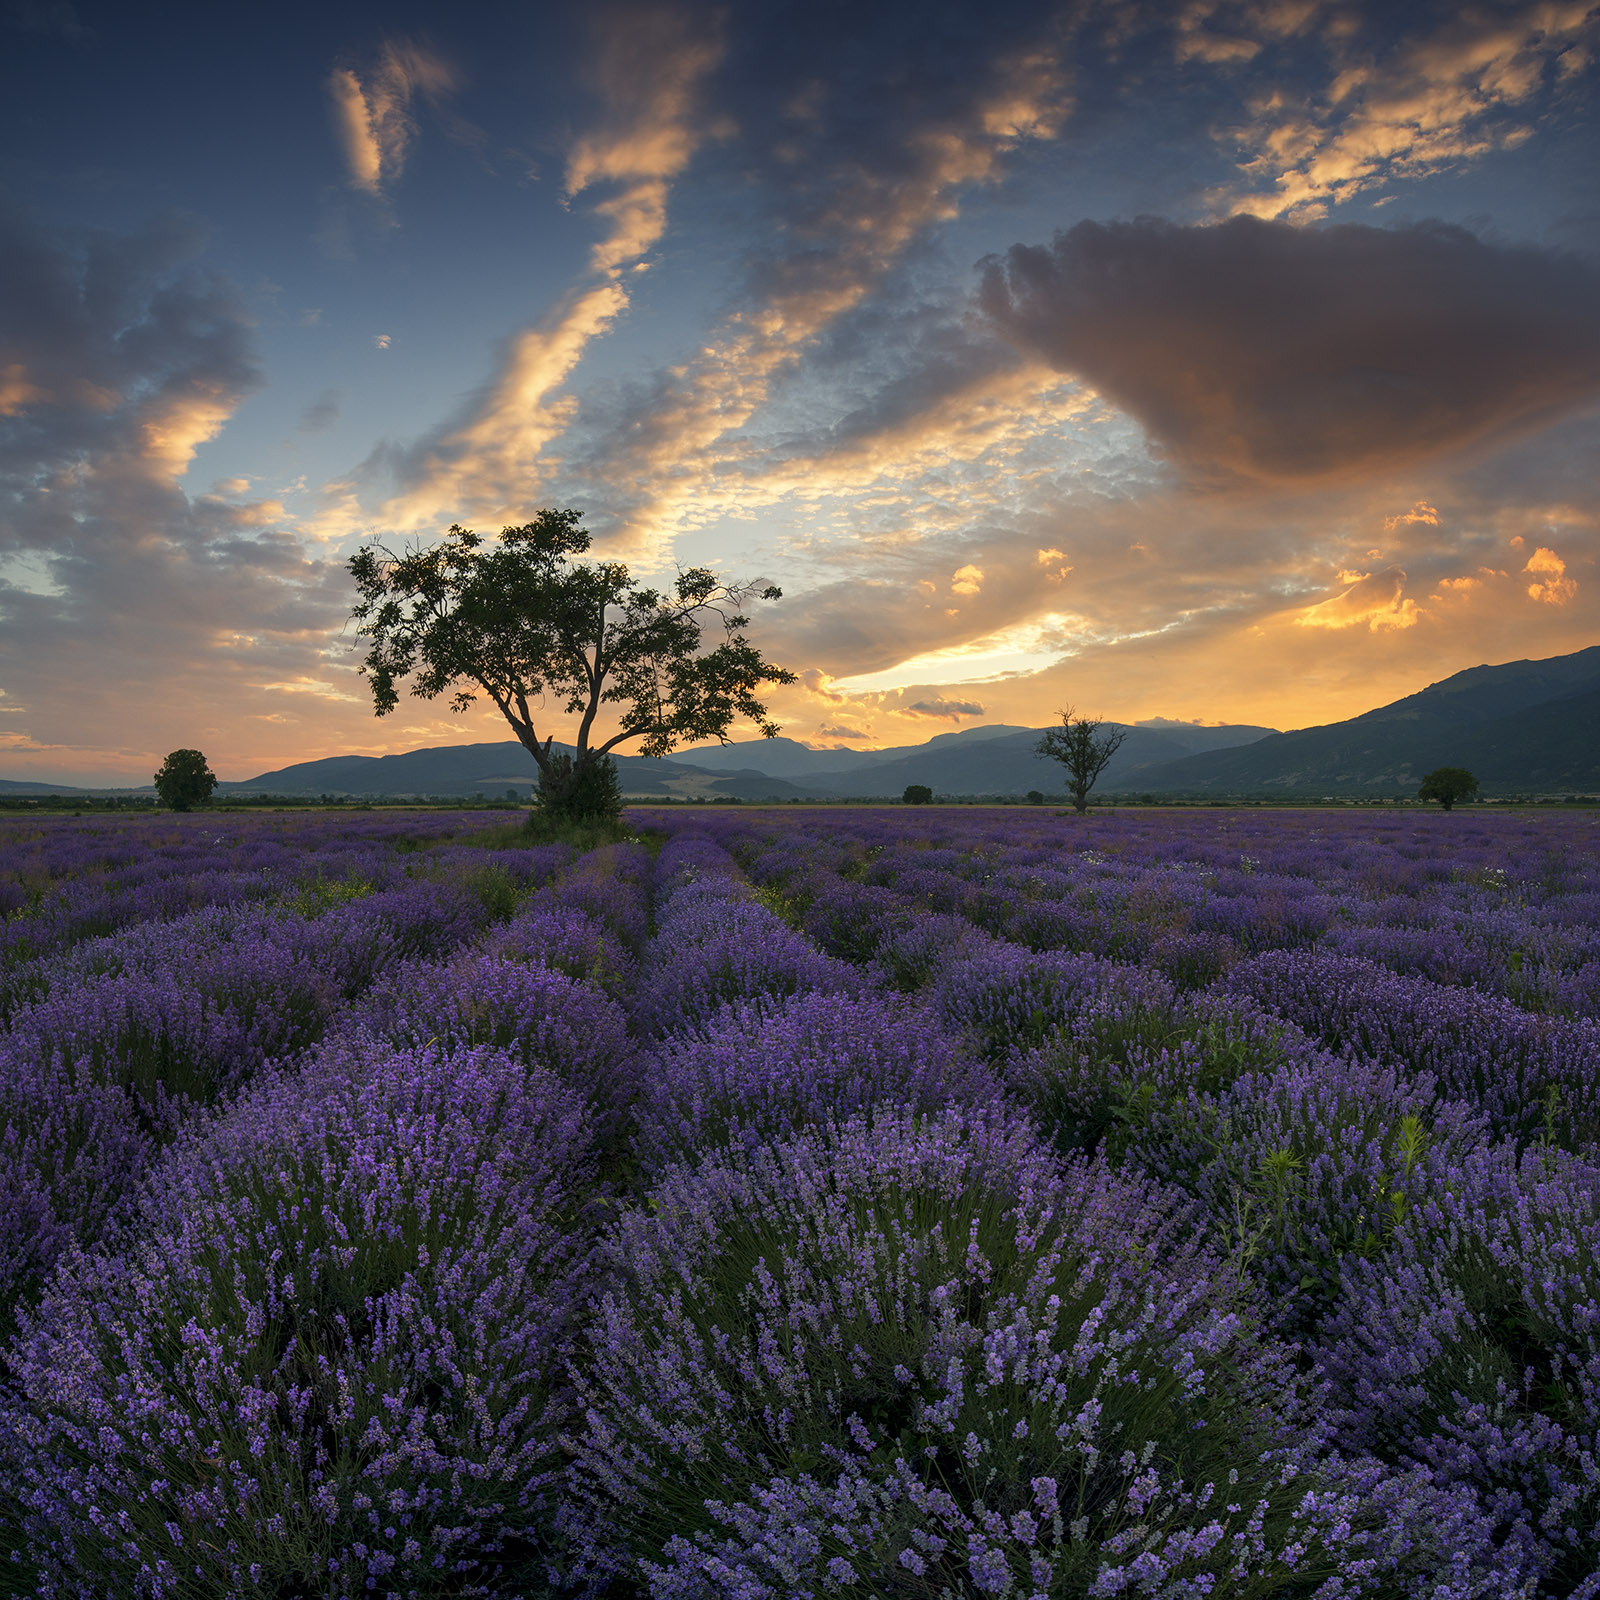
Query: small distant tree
pixel 185 781
pixel 1080 746
pixel 917 794
pixel 520 619
pixel 1447 785
pixel 1036 797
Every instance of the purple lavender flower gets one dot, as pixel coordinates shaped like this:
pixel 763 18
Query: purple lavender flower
pixel 534 1012
pixel 1472 1348
pixel 765 1069
pixel 327 1362
pixel 911 1346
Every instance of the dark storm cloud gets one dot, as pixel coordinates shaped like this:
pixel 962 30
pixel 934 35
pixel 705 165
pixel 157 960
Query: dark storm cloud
pixel 1298 354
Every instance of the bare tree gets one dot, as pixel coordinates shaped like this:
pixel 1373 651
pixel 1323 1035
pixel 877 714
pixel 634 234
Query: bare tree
pixel 1080 746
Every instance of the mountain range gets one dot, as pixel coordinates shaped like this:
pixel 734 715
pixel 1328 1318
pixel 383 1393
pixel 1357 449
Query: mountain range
pixel 1520 727
pixel 1524 727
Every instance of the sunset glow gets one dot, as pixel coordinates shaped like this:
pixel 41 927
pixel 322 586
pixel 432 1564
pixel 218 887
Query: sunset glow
pixel 1225 361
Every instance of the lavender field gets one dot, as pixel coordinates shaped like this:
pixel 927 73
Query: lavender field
pixel 815 1203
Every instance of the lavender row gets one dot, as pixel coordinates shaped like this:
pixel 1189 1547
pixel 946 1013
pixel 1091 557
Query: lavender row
pixel 822 1213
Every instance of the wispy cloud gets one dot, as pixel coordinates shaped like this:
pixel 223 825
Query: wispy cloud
pixel 1372 600
pixel 860 212
pixel 1454 87
pixel 323 412
pixel 372 110
pixel 651 66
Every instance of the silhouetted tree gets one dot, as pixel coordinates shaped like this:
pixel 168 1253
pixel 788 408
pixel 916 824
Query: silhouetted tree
pixel 1080 746
pixel 520 619
pixel 1036 797
pixel 185 781
pixel 1447 785
pixel 917 794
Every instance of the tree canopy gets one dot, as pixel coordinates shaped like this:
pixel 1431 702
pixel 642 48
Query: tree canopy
pixel 1080 746
pixel 543 635
pixel 185 781
pixel 1447 785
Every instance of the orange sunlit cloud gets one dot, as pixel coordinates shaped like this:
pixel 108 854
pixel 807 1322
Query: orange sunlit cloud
pixel 1551 583
pixel 1375 601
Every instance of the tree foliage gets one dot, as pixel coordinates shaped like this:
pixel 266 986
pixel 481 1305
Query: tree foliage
pixel 544 635
pixel 917 794
pixel 185 781
pixel 1447 785
pixel 1083 749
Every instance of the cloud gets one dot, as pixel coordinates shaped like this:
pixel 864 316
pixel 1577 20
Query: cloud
pixel 1302 354
pixel 967 580
pixel 1551 583
pixel 323 412
pixel 143 610
pixel 842 730
pixel 1411 91
pixel 372 112
pixel 120 358
pixel 816 682
pixel 859 176
pixel 945 710
pixel 1374 601
pixel 651 65
pixel 1421 512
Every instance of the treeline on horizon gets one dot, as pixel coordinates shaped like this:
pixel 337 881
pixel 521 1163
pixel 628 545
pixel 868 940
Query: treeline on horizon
pixel 150 805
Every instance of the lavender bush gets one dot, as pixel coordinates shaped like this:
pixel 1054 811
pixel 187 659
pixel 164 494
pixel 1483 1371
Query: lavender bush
pixel 1473 1348
pixel 900 1356
pixel 766 1069
pixel 540 1015
pixel 326 1362
pixel 921 1131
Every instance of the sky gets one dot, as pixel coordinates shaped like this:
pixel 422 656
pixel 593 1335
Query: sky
pixel 1224 362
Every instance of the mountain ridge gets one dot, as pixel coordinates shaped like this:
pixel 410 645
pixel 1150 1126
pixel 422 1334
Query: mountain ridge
pixel 1519 727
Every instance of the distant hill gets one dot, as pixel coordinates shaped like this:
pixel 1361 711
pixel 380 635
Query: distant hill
pixel 465 770
pixel 27 786
pixel 998 759
pixel 1009 763
pixel 1521 727
pixel 786 758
